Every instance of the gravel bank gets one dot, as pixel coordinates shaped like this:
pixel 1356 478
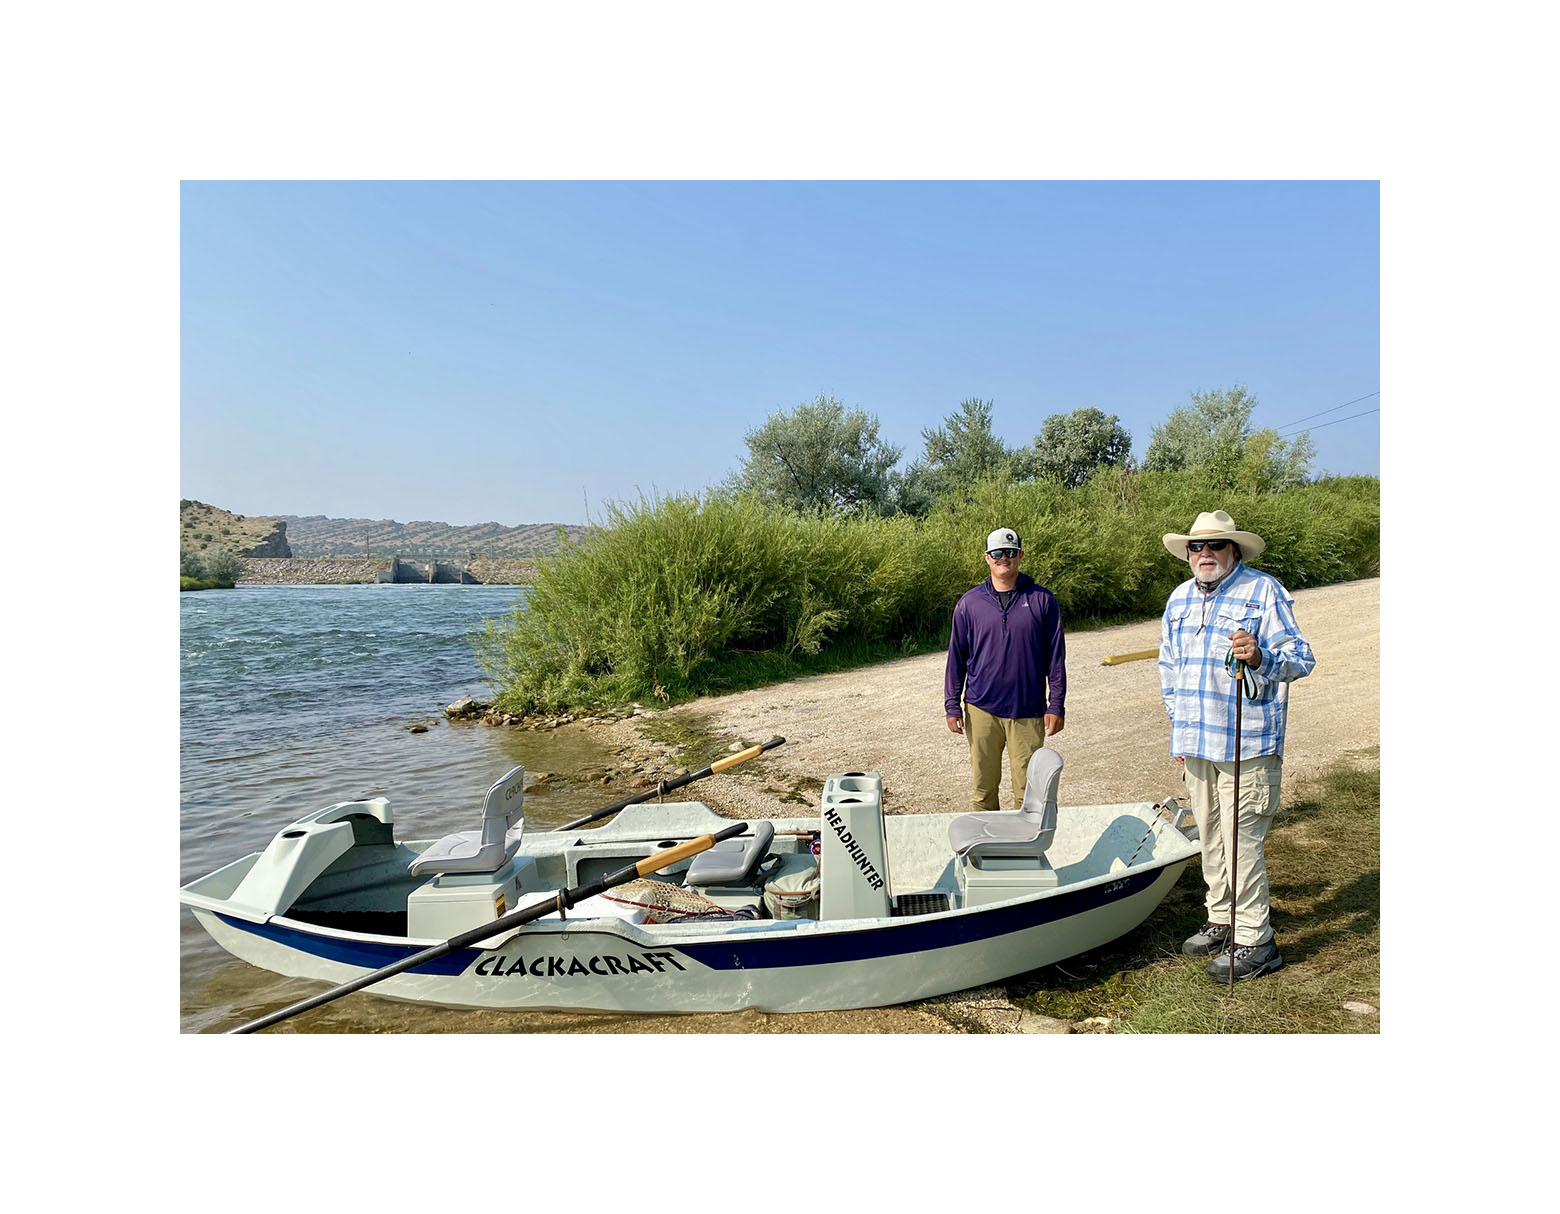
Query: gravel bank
pixel 344 570
pixel 889 719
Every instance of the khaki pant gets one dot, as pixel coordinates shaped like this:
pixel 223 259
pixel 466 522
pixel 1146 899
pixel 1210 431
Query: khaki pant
pixel 1212 789
pixel 988 736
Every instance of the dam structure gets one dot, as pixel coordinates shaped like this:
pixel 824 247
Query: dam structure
pixel 435 571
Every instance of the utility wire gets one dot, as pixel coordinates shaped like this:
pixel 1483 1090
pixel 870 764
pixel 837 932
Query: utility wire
pixel 1334 409
pixel 1334 422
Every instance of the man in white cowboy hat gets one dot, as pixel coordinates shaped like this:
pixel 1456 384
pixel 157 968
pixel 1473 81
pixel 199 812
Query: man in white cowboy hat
pixel 1228 608
pixel 1007 663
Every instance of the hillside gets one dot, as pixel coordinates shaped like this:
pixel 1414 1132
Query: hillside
pixel 317 536
pixel 209 529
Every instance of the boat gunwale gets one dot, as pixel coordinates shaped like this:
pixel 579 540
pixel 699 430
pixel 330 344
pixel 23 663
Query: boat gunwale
pixel 696 934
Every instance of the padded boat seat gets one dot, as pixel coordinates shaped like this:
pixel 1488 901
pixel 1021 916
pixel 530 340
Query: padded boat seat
pixel 732 861
pixel 465 852
pixel 486 850
pixel 1025 833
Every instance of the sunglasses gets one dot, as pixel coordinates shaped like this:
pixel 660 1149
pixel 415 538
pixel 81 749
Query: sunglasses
pixel 1211 545
pixel 997 554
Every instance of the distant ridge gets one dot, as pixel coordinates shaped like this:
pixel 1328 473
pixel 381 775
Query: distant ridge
pixel 314 535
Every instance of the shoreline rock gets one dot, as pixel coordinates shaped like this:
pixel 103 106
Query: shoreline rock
pixel 475 711
pixel 347 571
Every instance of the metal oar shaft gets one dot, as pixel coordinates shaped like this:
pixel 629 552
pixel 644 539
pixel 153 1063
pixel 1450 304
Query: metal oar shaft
pixel 515 918
pixel 666 786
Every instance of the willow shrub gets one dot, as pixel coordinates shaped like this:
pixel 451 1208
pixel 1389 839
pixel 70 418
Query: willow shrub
pixel 671 589
pixel 673 594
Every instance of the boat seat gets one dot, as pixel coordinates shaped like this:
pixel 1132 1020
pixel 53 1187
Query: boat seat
pixel 1025 833
pixel 732 861
pixel 489 848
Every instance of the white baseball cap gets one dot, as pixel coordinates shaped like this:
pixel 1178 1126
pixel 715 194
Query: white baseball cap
pixel 1003 537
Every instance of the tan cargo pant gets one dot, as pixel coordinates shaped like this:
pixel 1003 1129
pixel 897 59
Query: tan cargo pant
pixel 1212 789
pixel 988 736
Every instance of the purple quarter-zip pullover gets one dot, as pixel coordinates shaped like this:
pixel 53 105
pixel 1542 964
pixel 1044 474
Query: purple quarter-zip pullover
pixel 1001 661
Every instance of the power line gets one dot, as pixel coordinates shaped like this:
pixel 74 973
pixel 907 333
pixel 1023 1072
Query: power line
pixel 1334 422
pixel 1334 409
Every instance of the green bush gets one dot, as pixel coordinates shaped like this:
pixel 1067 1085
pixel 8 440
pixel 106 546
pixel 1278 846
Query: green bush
pixel 676 597
pixel 672 588
pixel 223 565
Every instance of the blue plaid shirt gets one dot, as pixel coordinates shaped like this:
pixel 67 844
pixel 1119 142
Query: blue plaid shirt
pixel 1199 693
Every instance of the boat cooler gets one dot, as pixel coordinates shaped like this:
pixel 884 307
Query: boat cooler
pixel 452 903
pixel 984 879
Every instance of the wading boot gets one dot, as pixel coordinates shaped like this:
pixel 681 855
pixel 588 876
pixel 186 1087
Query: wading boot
pixel 1210 939
pixel 1251 961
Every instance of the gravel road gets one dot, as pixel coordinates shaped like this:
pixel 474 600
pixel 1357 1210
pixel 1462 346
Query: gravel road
pixel 889 719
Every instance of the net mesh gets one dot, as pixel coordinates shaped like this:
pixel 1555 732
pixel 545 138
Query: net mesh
pixel 662 901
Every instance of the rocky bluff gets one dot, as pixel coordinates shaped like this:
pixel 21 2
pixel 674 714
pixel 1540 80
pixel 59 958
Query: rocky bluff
pixel 207 529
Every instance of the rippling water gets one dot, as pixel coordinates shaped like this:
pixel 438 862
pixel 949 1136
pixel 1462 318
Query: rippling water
pixel 295 697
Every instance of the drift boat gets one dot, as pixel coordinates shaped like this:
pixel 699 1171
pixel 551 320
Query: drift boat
pixel 846 909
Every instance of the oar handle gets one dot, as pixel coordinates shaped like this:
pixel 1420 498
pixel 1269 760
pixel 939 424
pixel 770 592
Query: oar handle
pixel 669 857
pixel 752 752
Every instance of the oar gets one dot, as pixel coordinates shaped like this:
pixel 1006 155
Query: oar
pixel 666 786
pixel 565 899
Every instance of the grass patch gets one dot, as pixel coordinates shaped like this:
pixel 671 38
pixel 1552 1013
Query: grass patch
pixel 203 583
pixel 1324 874
pixel 692 743
pixel 806 791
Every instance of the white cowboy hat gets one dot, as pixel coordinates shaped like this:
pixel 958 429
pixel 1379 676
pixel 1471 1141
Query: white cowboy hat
pixel 1216 526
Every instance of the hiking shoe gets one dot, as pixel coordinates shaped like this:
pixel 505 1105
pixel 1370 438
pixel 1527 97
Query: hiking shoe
pixel 1209 939
pixel 1251 961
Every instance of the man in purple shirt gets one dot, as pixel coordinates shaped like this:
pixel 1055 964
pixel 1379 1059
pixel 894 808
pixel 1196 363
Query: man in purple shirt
pixel 1006 653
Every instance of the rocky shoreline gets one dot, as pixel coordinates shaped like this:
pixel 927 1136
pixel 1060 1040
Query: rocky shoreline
pixel 348 571
pixel 641 764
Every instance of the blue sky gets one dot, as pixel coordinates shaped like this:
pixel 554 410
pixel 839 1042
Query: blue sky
pixel 522 352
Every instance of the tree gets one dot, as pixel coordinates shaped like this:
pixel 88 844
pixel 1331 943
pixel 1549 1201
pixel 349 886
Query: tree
pixel 961 452
pixel 1070 446
pixel 191 563
pixel 224 566
pixel 817 457
pixel 1214 435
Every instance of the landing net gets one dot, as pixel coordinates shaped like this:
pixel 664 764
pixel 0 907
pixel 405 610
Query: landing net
pixel 662 901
